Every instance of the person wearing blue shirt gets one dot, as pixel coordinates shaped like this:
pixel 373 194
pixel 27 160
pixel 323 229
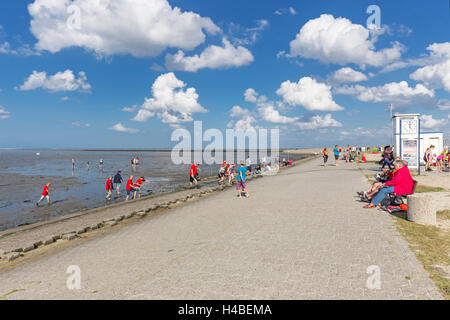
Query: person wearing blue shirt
pixel 240 181
pixel 336 154
pixel 118 181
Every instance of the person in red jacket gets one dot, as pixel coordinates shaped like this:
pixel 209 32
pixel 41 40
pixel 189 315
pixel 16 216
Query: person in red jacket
pixel 129 188
pixel 45 194
pixel 109 188
pixel 401 184
pixel 193 175
pixel 137 186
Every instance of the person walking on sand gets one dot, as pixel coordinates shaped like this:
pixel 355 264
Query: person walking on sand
pixel 193 175
pixel 109 188
pixel 45 194
pixel 73 164
pixel 118 182
pixel 129 188
pixel 240 181
pixel 138 185
pixel 336 155
pixel 325 156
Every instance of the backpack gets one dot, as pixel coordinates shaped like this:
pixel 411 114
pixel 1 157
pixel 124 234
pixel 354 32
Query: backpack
pixel 391 200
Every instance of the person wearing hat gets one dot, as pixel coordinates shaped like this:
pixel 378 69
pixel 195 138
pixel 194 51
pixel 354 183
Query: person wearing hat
pixel 118 181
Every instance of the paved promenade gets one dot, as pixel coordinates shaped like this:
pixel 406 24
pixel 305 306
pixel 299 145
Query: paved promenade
pixel 301 235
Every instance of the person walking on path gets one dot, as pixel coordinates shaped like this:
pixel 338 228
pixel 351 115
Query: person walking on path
pixel 45 194
pixel 240 181
pixel 336 155
pixel 325 156
pixel 387 157
pixel 109 188
pixel 118 182
pixel 129 188
pixel 193 175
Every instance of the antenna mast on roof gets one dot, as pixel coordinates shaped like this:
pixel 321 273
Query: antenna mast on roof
pixel 392 124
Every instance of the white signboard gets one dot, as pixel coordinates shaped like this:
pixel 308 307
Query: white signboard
pixel 410 152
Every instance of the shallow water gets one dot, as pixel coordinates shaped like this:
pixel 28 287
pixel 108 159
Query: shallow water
pixel 23 175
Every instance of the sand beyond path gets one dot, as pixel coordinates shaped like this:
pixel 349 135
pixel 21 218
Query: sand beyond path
pixel 301 235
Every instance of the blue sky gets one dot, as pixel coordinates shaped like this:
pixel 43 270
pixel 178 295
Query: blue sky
pixel 287 52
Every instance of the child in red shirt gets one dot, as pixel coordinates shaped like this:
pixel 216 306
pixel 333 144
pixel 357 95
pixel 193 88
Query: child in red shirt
pixel 138 184
pixel 45 194
pixel 109 188
pixel 129 188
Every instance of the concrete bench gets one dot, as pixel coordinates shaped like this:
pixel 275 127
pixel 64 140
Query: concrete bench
pixel 421 209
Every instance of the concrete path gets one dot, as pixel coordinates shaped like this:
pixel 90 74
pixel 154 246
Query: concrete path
pixel 301 235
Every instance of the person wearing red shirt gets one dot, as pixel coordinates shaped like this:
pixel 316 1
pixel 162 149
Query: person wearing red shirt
pixel 109 188
pixel 401 184
pixel 129 187
pixel 45 194
pixel 193 175
pixel 137 186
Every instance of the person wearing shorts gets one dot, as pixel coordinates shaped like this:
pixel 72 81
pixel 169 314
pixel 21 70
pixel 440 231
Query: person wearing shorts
pixel 129 188
pixel 138 185
pixel 45 194
pixel 240 181
pixel 118 182
pixel 336 154
pixel 193 174
pixel 325 156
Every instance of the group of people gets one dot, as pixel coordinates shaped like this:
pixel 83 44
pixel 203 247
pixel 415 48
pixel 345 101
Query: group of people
pixel 230 171
pixel 441 160
pixel 227 171
pixel 133 189
pixel 349 154
pixel 397 181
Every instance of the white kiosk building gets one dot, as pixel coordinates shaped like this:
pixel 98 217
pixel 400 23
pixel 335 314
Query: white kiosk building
pixel 410 143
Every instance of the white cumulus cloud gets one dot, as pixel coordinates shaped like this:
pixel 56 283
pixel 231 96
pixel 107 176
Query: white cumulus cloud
pixel 267 109
pixel 213 57
pixel 428 122
pixel 142 28
pixel 170 102
pixel 311 122
pixel 399 93
pixel 61 81
pixel 309 93
pixel 435 75
pixel 338 40
pixel 120 128
pixel 346 75
pixel 246 119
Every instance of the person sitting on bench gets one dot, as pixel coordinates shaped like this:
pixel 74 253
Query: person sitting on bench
pixel 401 184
